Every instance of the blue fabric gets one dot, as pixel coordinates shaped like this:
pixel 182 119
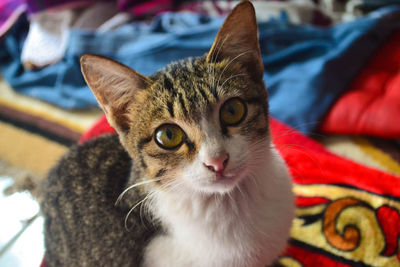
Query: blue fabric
pixel 307 68
pixel 369 5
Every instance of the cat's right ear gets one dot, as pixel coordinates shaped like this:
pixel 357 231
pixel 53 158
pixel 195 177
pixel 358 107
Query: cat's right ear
pixel 115 87
pixel 237 40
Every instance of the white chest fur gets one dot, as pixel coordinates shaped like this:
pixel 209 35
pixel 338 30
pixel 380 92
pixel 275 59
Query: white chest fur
pixel 248 227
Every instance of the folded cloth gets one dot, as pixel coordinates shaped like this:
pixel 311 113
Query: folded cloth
pixel 306 68
pixel 365 6
pixel 47 39
pixel 51 22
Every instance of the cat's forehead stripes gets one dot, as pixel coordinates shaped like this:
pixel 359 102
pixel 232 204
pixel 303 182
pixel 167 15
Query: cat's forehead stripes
pixel 189 88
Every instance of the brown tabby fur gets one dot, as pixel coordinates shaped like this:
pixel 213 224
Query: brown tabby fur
pixel 83 227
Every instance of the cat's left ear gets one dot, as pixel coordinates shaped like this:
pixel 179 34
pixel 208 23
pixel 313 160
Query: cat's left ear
pixel 237 40
pixel 115 87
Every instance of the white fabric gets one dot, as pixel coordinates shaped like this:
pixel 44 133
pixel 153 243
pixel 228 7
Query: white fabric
pixel 47 39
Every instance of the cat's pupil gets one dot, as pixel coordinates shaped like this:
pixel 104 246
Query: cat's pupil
pixel 169 133
pixel 231 110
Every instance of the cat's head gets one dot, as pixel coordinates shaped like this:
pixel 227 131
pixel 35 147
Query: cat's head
pixel 199 124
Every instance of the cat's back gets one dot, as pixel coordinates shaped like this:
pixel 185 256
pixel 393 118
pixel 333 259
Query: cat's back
pixel 83 227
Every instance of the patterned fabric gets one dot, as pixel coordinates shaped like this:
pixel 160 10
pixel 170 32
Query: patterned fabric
pixel 347 214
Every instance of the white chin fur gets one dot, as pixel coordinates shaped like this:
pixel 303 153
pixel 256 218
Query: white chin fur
pixel 219 185
pixel 249 226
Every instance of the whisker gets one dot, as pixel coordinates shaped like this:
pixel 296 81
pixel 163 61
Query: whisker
pixel 165 187
pixel 241 54
pixel 240 190
pixel 133 186
pixel 133 208
pixel 213 60
pixel 233 76
pixel 295 129
pixel 216 57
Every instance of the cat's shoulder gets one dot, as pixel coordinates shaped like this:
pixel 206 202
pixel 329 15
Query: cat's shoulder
pixel 101 165
pixel 94 151
pixel 83 226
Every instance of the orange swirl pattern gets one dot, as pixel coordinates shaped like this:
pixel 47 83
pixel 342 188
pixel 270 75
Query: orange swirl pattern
pixel 350 238
pixel 349 225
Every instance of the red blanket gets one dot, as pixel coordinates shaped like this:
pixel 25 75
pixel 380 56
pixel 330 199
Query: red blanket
pixel 347 214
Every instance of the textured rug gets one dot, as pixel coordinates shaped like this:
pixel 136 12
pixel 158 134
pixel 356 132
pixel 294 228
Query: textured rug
pixel 34 134
pixel 347 214
pixel 381 154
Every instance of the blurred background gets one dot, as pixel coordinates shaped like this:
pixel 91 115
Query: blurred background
pixel 331 69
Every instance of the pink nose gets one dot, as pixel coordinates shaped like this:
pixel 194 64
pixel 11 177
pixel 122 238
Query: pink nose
pixel 217 164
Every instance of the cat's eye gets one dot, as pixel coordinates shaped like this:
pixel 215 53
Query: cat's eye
pixel 169 136
pixel 233 112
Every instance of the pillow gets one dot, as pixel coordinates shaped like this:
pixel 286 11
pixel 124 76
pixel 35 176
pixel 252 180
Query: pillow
pixel 372 104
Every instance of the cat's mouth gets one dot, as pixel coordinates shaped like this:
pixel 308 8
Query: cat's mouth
pixel 221 178
pixel 223 182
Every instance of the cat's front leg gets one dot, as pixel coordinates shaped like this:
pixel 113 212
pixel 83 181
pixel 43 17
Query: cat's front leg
pixel 162 251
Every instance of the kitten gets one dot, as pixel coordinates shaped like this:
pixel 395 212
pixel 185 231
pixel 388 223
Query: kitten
pixel 197 179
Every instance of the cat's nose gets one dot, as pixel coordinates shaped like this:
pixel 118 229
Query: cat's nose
pixel 217 164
